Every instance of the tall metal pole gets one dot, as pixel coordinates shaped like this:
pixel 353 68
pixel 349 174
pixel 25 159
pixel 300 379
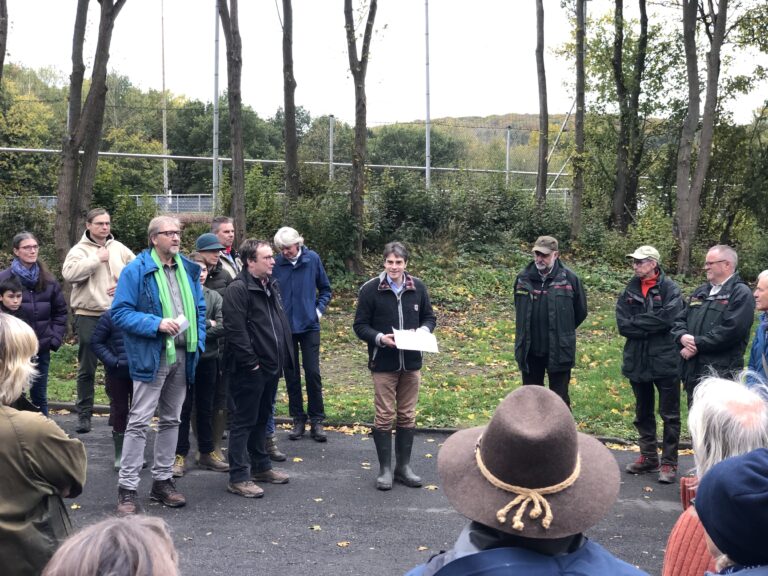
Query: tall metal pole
pixel 509 131
pixel 428 126
pixel 216 172
pixel 166 190
pixel 331 123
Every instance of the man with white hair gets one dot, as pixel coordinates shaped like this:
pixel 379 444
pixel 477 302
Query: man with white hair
pixel 713 330
pixel 306 291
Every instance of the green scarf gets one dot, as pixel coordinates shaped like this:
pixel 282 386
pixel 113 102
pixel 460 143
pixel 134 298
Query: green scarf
pixel 188 301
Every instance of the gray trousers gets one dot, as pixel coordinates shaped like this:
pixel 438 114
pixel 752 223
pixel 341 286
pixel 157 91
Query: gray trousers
pixel 166 395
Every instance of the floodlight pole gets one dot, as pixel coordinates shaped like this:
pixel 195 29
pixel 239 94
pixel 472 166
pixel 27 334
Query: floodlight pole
pixel 428 153
pixel 216 172
pixel 166 189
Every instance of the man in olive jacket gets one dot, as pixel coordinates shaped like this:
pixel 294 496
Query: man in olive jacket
pixel 645 313
pixel 550 303
pixel 713 331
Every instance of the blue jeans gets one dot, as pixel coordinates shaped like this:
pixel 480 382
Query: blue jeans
pixel 309 343
pixel 251 393
pixel 38 392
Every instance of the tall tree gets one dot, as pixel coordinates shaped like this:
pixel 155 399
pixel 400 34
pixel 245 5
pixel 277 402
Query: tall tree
pixel 289 92
pixel 578 164
pixel 541 172
pixel 691 174
pixel 3 34
pixel 84 126
pixel 358 66
pixel 231 25
pixel 629 147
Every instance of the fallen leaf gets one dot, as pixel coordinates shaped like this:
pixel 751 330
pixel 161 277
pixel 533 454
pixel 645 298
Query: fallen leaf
pixel 297 459
pixel 318 499
pixel 430 487
pixel 422 548
pixel 647 489
pixel 315 527
pixel 428 456
pixel 343 544
pixel 208 533
pixel 75 506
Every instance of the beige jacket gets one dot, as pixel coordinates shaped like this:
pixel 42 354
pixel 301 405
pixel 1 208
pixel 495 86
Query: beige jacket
pixel 39 464
pixel 90 277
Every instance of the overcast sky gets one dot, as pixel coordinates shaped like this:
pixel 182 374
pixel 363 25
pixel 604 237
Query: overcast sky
pixel 481 54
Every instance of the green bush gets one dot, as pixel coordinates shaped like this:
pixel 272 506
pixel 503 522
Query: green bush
pixel 130 220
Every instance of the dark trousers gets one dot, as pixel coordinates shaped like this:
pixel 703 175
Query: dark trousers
pixel 309 343
pixel 200 401
pixel 250 393
pixel 669 410
pixel 558 381
pixel 86 358
pixel 38 392
pixel 119 388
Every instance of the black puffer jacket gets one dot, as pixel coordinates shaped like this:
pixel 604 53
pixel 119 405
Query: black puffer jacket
pixel 379 310
pixel 255 325
pixel 566 310
pixel 108 345
pixel 650 352
pixel 721 325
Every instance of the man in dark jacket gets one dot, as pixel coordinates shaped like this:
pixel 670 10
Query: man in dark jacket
pixel 396 299
pixel 259 348
pixel 645 313
pixel 713 330
pixel 306 291
pixel 550 303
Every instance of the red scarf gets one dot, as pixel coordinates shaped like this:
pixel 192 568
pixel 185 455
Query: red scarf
pixel 648 283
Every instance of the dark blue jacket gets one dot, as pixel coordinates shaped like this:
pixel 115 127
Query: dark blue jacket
pixel 108 343
pixel 304 288
pixel 758 350
pixel 589 560
pixel 137 310
pixel 44 311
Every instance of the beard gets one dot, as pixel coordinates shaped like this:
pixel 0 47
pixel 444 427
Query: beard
pixel 543 268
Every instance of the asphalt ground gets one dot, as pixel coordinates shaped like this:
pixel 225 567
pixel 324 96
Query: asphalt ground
pixel 330 520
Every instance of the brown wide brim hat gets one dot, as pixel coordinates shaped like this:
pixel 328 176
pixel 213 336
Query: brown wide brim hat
pixel 531 442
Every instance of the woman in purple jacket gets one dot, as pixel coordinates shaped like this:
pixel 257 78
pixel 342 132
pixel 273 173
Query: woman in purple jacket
pixel 42 307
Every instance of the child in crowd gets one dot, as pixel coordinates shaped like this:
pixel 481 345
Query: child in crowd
pixel 108 345
pixel 10 296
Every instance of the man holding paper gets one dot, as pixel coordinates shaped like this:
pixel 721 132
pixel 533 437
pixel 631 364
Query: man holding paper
pixel 394 300
pixel 159 305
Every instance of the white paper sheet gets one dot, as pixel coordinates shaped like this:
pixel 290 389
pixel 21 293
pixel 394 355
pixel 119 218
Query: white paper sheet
pixel 415 340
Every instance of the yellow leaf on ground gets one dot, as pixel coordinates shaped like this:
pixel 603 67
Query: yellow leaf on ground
pixel 315 528
pixel 297 459
pixel 318 499
pixel 75 506
pixel 343 544
pixel 430 487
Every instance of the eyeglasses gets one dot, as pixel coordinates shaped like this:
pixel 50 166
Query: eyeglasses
pixel 171 233
pixel 29 248
pixel 708 264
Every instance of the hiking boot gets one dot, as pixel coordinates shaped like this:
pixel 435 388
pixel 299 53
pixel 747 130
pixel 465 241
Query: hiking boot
pixel 298 428
pixel 667 474
pixel 317 433
pixel 165 491
pixel 274 452
pixel 643 464
pixel 271 476
pixel 178 466
pixel 245 489
pixel 126 502
pixel 83 424
pixel 212 461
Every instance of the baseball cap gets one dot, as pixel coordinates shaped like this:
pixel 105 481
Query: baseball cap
pixel 545 244
pixel 646 252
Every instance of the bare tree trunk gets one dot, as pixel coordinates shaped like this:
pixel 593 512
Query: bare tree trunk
pixel 578 164
pixel 289 90
pixel 629 147
pixel 541 171
pixel 231 27
pixel 3 35
pixel 84 126
pixel 690 178
pixel 358 66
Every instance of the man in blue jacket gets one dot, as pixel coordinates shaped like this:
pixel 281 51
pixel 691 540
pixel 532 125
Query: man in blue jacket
pixel 757 355
pixel 160 307
pixel 306 291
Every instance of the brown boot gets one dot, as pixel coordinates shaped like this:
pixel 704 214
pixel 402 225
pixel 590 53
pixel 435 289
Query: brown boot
pixel 274 452
pixel 212 461
pixel 219 425
pixel 271 476
pixel 165 491
pixel 126 502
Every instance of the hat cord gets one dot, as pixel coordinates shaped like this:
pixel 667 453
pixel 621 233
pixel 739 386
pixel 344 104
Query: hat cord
pixel 526 495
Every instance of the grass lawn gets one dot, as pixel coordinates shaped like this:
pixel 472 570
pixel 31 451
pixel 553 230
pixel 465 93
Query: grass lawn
pixel 475 369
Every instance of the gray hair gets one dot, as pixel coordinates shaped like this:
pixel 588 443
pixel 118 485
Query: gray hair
pixel 763 275
pixel 133 546
pixel 727 253
pixel 396 248
pixel 156 223
pixel 728 418
pixel 18 344
pixel 218 221
pixel 287 236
